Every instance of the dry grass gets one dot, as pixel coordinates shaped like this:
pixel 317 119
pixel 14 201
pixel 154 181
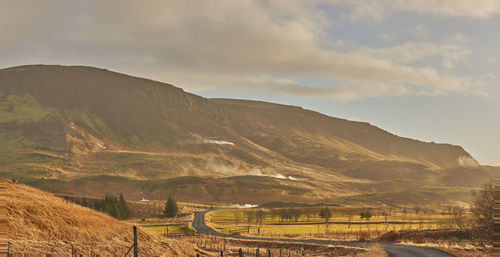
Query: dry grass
pixel 456 249
pixel 374 250
pixel 211 246
pixel 41 223
pixel 468 253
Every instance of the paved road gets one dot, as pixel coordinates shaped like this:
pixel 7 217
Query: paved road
pixel 393 249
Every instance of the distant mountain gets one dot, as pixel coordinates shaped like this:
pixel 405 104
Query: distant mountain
pixel 70 128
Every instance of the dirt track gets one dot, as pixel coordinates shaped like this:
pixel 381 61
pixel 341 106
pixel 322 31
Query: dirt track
pixel 393 250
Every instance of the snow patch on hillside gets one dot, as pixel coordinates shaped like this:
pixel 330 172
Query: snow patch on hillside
pixel 244 206
pixel 219 142
pixel 258 172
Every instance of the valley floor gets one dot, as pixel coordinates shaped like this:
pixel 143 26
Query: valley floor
pixel 392 249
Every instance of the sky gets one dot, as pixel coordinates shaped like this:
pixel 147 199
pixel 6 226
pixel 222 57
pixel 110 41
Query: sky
pixel 424 69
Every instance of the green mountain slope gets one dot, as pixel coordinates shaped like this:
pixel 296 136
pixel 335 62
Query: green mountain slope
pixel 61 125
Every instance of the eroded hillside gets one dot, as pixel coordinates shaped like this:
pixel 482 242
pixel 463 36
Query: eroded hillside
pixel 68 129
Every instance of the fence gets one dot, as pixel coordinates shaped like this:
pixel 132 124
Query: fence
pixel 262 253
pixel 250 248
pixel 4 244
pixel 134 245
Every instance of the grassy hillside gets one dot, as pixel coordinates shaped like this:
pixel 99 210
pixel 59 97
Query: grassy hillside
pixel 71 129
pixel 40 223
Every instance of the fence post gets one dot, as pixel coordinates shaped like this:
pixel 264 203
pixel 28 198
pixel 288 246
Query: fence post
pixel 240 253
pixel 136 248
pixel 221 253
pixel 268 252
pixel 257 253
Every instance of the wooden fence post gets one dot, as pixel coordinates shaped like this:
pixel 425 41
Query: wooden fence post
pixel 240 253
pixel 136 248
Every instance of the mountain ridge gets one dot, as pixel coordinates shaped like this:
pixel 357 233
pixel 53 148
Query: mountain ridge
pixel 99 122
pixel 216 100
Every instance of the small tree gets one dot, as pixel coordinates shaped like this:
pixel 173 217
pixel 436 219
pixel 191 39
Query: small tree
pixel 261 215
pixel 349 218
pixel 296 214
pixel 365 215
pixel 326 214
pixel 250 216
pixel 283 214
pixel 458 219
pixel 385 214
pixel 113 206
pixel 171 208
pixel 124 208
pixel 482 208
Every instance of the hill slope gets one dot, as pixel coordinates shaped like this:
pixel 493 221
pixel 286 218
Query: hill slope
pixel 71 123
pixel 40 223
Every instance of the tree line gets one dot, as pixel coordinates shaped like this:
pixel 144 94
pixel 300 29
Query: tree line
pixel 117 206
pixel 110 204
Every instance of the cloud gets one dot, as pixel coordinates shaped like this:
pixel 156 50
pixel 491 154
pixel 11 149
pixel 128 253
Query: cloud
pixel 387 37
pixel 409 53
pixel 378 10
pixel 237 45
pixel 419 31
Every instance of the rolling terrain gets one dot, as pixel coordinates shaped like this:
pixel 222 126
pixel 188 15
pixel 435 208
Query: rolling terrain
pixel 40 223
pixel 87 131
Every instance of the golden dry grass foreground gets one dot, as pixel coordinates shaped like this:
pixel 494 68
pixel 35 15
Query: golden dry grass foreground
pixel 4 229
pixel 40 223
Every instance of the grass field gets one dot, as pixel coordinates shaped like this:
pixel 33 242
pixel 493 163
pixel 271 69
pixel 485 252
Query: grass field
pixel 175 229
pixel 307 222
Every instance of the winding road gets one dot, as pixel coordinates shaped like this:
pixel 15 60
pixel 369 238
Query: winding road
pixel 393 250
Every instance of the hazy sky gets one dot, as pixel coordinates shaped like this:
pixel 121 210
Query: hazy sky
pixel 425 69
